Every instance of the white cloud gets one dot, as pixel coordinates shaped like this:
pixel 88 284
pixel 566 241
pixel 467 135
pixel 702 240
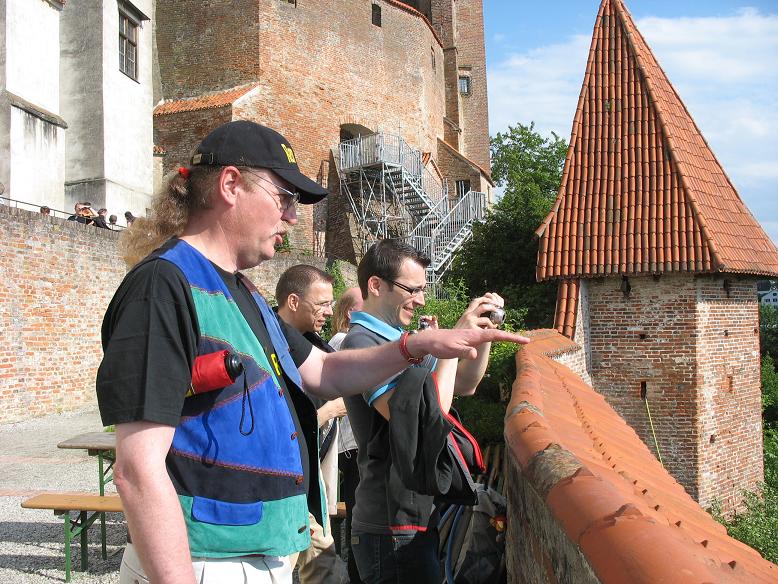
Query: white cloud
pixel 724 68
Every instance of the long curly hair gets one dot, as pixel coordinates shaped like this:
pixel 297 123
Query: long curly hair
pixel 340 316
pixel 184 191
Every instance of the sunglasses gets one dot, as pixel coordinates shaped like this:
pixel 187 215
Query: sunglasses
pixel 286 199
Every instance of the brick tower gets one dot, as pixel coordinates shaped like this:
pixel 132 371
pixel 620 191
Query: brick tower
pixel 326 71
pixel 657 258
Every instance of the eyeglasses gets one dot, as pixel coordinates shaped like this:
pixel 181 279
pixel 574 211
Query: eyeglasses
pixel 412 291
pixel 286 198
pixel 320 306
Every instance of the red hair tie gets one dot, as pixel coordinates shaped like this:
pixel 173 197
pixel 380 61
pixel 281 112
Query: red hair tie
pixel 183 171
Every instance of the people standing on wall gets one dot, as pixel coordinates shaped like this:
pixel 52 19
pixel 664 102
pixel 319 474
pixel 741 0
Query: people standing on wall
pixel 82 214
pixel 45 210
pixel 99 219
pixel 350 301
pixel 305 299
pixel 112 222
pixel 129 218
pixel 221 483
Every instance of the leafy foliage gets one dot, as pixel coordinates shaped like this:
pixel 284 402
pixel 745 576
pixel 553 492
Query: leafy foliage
pixel 482 413
pixel 768 331
pixel 338 287
pixel 502 253
pixel 769 392
pixel 757 526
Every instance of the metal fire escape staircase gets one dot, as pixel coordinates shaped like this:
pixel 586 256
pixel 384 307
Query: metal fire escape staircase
pixel 393 195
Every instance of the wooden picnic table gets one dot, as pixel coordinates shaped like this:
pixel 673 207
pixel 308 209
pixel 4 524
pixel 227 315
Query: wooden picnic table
pixel 93 442
pixel 102 445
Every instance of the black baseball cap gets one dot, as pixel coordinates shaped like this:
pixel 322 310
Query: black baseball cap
pixel 245 143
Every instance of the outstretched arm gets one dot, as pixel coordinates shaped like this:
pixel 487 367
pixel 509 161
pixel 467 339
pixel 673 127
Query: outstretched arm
pixel 345 373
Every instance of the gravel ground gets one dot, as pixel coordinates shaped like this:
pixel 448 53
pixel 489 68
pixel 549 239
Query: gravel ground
pixel 31 541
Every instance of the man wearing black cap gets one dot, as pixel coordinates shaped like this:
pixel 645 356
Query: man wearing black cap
pixel 217 486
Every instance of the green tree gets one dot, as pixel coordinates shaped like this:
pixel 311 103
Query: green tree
pixel 502 253
pixel 769 392
pixel 768 330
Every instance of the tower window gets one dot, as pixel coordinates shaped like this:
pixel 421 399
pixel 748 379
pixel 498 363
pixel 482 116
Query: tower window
pixel 464 85
pixel 377 14
pixel 128 44
pixel 130 22
pixel 432 52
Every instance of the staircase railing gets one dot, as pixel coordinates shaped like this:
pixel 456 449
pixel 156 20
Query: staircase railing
pixel 456 228
pixel 439 225
pixel 379 148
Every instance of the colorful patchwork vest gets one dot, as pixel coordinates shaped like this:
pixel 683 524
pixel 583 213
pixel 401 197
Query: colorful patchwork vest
pixel 241 492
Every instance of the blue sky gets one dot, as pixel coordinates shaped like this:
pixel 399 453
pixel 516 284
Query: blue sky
pixel 721 56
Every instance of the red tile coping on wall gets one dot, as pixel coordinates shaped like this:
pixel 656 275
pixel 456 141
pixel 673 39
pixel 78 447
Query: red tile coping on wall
pixel 159 150
pixel 566 307
pixel 632 521
pixel 642 192
pixel 547 342
pixel 212 100
pixel 466 160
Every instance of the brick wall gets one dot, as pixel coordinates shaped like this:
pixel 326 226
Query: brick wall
pixel 471 61
pixel 694 352
pixel 729 394
pixel 206 46
pixel 58 278
pixel 454 168
pixel 537 549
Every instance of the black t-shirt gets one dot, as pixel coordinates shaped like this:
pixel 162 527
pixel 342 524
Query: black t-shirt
pixel 150 336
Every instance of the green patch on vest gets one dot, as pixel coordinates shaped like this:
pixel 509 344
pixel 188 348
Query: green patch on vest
pixel 283 530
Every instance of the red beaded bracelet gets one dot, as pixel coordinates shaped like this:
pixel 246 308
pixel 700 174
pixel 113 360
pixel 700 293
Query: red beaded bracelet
pixel 404 349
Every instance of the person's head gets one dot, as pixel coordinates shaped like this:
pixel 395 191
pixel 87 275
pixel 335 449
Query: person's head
pixel 129 216
pixel 304 296
pixel 77 207
pixel 86 211
pixel 102 212
pixel 349 301
pixel 242 180
pixel 392 279
pixel 112 219
pixel 45 210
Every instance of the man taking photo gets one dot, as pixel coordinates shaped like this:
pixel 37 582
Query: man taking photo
pixel 394 534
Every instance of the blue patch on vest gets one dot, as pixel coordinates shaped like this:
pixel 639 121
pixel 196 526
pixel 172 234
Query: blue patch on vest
pixel 213 437
pixel 224 513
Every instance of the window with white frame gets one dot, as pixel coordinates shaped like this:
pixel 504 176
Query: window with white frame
pixel 130 24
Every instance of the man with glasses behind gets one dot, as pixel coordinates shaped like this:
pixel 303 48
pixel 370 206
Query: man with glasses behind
pixel 305 301
pixel 394 534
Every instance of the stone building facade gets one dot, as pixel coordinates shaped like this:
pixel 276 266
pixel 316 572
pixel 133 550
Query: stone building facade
pixel 107 102
pixel 77 125
pixel 32 129
pixel 323 71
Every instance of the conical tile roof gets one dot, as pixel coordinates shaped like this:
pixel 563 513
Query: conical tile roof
pixel 642 192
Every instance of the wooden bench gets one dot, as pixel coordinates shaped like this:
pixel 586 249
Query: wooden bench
pixel 83 504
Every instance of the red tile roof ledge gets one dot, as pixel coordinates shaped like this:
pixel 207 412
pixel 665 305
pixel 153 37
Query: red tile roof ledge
pixel 632 522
